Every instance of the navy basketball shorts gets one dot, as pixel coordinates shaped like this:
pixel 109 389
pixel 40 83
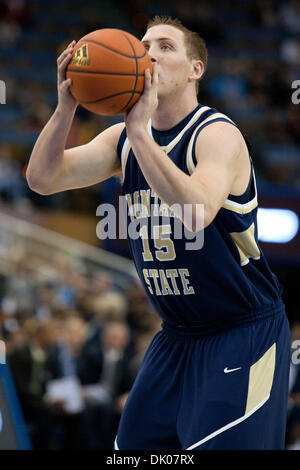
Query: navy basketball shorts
pixel 224 391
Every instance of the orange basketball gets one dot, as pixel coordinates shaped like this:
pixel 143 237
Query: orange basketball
pixel 107 71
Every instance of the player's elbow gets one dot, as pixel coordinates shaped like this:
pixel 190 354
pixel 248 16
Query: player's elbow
pixel 200 224
pixel 209 217
pixel 36 185
pixel 197 217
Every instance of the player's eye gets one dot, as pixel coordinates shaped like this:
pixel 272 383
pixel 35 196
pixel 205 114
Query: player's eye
pixel 165 47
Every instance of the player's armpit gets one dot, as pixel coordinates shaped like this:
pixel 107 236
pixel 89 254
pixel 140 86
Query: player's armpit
pixel 91 163
pixel 223 165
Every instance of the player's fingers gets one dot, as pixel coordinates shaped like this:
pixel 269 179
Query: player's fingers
pixel 72 44
pixel 66 52
pixel 65 61
pixel 66 83
pixel 62 55
pixel 147 84
pixel 155 76
pixel 64 86
pixel 61 70
pixel 59 62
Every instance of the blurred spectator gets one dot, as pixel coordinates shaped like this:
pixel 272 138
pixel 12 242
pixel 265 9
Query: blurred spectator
pixel 27 361
pixel 19 288
pixel 64 359
pixel 230 85
pixel 18 10
pixel 45 301
pixel 102 282
pixel 142 342
pixel 290 51
pixel 290 16
pixel 10 32
pixel 110 306
pixel 140 313
pixel 38 112
pixel 280 154
pixel 200 17
pixel 12 184
pixel 115 338
pixel 101 417
pixel 272 83
pixel 263 13
pixel 103 308
pixel 292 123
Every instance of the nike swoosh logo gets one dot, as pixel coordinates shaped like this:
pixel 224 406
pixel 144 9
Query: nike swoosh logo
pixel 226 370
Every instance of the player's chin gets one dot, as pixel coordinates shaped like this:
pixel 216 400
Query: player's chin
pixel 164 93
pixel 162 89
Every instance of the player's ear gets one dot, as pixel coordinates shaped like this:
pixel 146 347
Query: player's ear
pixel 197 69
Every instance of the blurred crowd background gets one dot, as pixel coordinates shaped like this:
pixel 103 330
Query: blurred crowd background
pixel 60 319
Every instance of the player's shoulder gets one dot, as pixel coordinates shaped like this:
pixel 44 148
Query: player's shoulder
pixel 111 135
pixel 222 130
pixel 215 126
pixel 219 135
pixel 116 129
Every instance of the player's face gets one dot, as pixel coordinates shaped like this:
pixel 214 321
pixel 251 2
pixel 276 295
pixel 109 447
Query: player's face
pixel 165 45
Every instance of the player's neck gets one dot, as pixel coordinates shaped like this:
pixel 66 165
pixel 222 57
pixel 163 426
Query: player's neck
pixel 171 111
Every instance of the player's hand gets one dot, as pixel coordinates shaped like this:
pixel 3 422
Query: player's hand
pixel 65 99
pixel 140 114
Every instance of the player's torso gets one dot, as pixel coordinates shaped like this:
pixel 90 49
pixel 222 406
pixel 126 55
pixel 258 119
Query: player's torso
pixel 194 279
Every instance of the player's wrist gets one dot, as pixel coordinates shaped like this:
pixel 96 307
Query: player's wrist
pixel 136 131
pixel 65 111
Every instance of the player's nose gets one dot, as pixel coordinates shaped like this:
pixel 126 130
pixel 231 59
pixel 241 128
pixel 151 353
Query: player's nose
pixel 151 52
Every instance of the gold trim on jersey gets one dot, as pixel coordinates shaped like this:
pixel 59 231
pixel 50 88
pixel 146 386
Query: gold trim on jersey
pixel 166 148
pixel 189 154
pixel 194 118
pixel 240 208
pixel 246 244
pixel 228 204
pixel 124 155
pixel 261 379
pixel 243 208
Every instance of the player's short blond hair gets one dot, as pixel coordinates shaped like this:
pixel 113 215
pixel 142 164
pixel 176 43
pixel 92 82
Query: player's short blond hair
pixel 195 44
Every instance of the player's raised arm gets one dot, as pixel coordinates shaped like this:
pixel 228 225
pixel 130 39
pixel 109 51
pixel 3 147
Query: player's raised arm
pixel 53 169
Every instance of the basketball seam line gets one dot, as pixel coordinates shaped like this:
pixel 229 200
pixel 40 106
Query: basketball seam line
pixel 114 50
pixel 106 73
pixel 111 96
pixel 136 73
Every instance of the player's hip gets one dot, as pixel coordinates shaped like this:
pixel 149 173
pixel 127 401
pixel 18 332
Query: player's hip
pixel 220 391
pixel 220 322
pixel 179 351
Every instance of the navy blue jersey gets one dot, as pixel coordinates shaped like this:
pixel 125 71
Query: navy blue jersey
pixel 225 282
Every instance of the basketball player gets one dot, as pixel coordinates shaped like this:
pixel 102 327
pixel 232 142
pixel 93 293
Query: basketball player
pixel 216 375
